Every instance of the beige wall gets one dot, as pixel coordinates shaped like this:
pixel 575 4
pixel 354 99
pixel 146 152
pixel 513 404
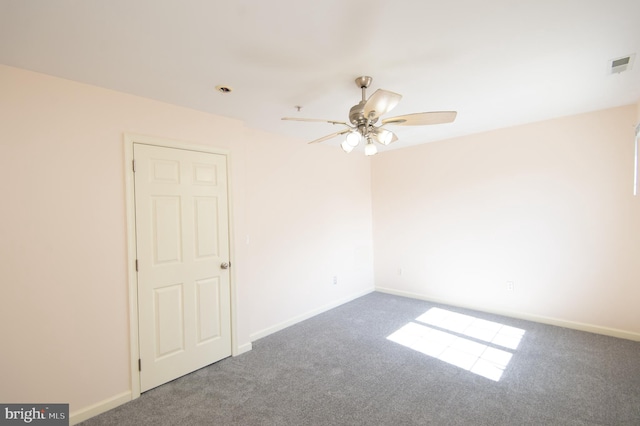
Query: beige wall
pixel 547 206
pixel 312 221
pixel 301 215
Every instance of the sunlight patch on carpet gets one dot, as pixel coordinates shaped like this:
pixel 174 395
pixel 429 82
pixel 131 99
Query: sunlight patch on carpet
pixel 457 340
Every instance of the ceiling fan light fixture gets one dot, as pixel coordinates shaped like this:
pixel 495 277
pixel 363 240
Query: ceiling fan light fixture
pixel 353 139
pixel 384 136
pixel 370 149
pixel 346 146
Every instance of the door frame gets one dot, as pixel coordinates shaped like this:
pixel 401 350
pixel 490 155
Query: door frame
pixel 134 348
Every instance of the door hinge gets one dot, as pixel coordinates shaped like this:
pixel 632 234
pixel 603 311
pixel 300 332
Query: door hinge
pixel 139 364
pixel 136 265
pixel 133 164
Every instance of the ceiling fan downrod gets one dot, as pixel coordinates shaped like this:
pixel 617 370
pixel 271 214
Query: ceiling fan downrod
pixel 356 114
pixel 363 83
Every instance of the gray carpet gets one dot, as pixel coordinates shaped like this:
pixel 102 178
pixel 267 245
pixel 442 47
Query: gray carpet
pixel 339 368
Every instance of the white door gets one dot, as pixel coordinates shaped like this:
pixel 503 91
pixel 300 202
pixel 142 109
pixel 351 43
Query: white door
pixel 182 248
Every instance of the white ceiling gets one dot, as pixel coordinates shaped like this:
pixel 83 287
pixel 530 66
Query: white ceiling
pixel 498 63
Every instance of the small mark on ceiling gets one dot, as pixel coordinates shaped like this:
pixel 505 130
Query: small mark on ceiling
pixel 224 89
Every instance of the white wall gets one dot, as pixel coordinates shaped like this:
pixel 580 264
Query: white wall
pixel 301 214
pixel 311 209
pixel 548 206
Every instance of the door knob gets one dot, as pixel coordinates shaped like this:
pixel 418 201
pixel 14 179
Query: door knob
pixel 225 265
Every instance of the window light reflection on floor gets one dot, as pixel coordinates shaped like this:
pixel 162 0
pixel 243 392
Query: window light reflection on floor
pixel 488 331
pixel 483 359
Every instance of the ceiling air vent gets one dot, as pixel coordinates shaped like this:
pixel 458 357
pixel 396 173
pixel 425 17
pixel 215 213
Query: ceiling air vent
pixel 622 64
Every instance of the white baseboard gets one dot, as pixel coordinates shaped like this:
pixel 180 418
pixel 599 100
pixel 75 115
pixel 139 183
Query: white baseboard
pixel 591 328
pixel 99 408
pixel 288 323
pixel 242 349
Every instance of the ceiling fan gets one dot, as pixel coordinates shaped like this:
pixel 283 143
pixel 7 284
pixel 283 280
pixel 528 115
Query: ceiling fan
pixel 364 116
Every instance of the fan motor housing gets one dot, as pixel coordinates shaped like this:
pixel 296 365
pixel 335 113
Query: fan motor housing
pixel 356 115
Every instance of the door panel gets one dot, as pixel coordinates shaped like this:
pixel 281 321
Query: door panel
pixel 169 326
pixel 167 229
pixel 182 237
pixel 208 296
pixel 206 220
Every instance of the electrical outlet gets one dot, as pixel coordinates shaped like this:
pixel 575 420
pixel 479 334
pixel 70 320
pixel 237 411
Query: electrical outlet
pixel 335 280
pixel 510 286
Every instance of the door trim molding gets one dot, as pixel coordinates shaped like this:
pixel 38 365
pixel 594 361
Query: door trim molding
pixel 129 140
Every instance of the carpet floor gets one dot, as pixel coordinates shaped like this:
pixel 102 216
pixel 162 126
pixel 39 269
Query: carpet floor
pixel 389 360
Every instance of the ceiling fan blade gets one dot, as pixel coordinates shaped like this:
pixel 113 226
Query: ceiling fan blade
pixel 422 118
pixel 331 136
pixel 381 102
pixel 314 120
